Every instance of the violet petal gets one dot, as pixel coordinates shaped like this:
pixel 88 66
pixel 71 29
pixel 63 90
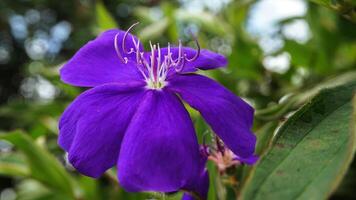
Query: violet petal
pixel 92 127
pixel 97 62
pixel 229 116
pixel 160 151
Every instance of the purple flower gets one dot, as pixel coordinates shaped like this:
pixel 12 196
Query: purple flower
pixel 133 116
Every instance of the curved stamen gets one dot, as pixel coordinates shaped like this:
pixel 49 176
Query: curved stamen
pixel 180 67
pixel 154 66
pixel 124 39
pixel 123 59
pixel 139 59
pixel 198 51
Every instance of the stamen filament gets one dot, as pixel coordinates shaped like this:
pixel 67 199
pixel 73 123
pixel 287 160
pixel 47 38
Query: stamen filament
pixel 123 59
pixel 198 50
pixel 124 39
pixel 156 69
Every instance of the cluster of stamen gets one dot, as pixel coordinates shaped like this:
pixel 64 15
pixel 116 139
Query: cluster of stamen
pixel 220 155
pixel 154 69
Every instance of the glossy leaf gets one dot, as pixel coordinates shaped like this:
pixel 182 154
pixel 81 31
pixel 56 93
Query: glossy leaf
pixel 311 152
pixel 265 136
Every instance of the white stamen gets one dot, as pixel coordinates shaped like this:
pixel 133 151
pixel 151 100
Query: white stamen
pixel 155 70
pixel 123 59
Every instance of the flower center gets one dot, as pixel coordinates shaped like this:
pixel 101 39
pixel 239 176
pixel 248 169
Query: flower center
pixel 155 66
pixel 156 85
pixel 221 156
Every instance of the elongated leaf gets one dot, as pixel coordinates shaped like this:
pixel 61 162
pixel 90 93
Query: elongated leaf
pixel 30 189
pixel 264 136
pixel 353 119
pixel 12 164
pixel 43 166
pixel 296 100
pixel 103 17
pixel 311 152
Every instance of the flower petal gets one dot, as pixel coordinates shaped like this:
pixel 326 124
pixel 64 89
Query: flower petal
pixel 229 116
pixel 97 62
pixel 201 187
pixel 160 151
pixel 92 127
pixel 206 60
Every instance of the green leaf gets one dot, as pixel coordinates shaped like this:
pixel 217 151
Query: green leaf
pixel 153 30
pixel 103 17
pixel 90 188
pixel 12 164
pixel 43 166
pixel 29 189
pixel 311 152
pixel 353 119
pixel 264 136
pixel 212 195
pixel 208 21
pixel 295 100
pixel 344 7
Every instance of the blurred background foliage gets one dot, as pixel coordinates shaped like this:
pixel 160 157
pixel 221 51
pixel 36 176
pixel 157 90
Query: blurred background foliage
pixel 280 52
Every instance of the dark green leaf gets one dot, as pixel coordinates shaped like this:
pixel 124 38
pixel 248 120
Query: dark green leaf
pixel 311 152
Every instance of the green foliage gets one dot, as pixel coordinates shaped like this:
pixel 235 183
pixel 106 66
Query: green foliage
pixel 43 166
pixel 13 165
pixel 344 7
pixel 306 156
pixel 104 19
pixel 311 152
